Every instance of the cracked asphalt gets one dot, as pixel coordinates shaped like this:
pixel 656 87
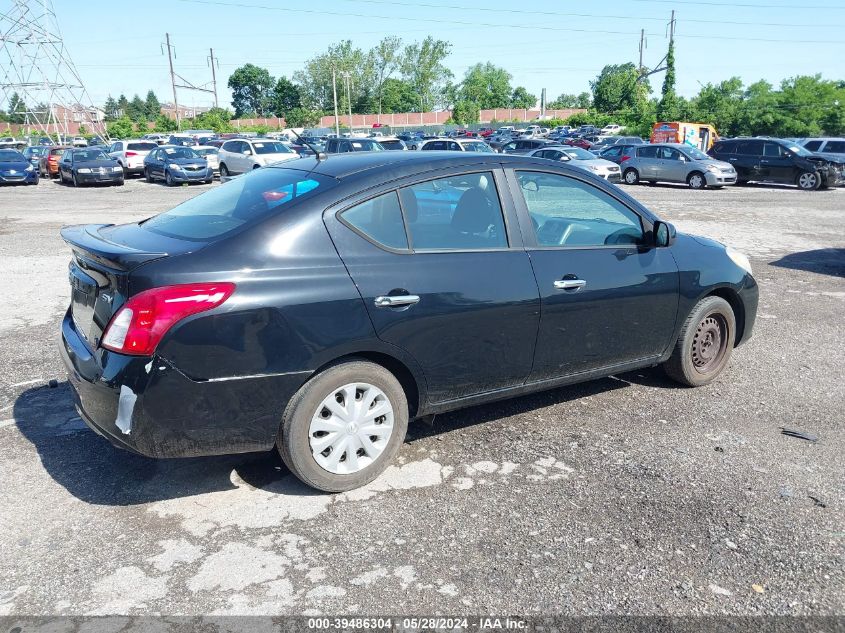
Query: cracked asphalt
pixel 626 495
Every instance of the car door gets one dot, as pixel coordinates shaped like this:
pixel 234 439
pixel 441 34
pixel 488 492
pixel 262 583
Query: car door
pixel 607 297
pixel 748 163
pixel 444 280
pixel 778 163
pixel 673 165
pixel 647 162
pixel 159 163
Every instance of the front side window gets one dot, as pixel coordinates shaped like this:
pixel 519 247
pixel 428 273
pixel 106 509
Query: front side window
pixel 455 213
pixel 379 219
pixel 813 146
pixel 772 150
pixel 647 152
pixel 567 212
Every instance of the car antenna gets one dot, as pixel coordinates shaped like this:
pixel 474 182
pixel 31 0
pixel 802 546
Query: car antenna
pixel 317 154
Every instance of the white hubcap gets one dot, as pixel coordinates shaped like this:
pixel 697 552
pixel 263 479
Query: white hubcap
pixel 351 428
pixel 807 180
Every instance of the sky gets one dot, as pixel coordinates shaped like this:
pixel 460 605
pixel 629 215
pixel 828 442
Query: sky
pixel 562 45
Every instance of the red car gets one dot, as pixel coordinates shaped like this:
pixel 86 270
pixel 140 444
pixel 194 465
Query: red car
pixel 485 132
pixel 583 143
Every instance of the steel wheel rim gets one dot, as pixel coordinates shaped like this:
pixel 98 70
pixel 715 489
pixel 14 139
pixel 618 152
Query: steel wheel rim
pixel 695 181
pixel 807 181
pixel 709 343
pixel 630 177
pixel 351 428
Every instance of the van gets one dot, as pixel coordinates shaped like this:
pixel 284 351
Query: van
pixel 700 135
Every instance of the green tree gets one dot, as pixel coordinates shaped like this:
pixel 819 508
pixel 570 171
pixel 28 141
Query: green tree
pixel 720 105
pixel 583 100
pixel 216 119
pixel 423 68
pixel 122 107
pixel 252 89
pixel 351 68
pixel 465 112
pixel 110 109
pixel 522 99
pixel 83 130
pixel 486 85
pixel 669 108
pixel 164 124
pixel 302 117
pixel 137 109
pixel 17 109
pixel 285 97
pixel 152 106
pixel 618 87
pixel 399 96
pixel 121 128
pixel 385 59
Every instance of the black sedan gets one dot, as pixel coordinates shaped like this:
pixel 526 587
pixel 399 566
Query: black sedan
pixel 15 168
pixel 317 306
pixel 87 166
pixel 175 164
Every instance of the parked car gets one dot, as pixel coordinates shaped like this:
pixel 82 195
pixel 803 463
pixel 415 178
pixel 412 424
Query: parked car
pixel 79 141
pixel 526 145
pixel 131 154
pixel 392 143
pixel 619 153
pixel 831 148
pixel 238 156
pixel 776 160
pixel 89 166
pixel 34 153
pixel 344 145
pixel 210 154
pixel 610 141
pixel 96 141
pixel 49 163
pixel 176 164
pixel 612 128
pixel 584 142
pixel 582 159
pixel 485 132
pixel 182 140
pixel 15 168
pixel 302 307
pixel 457 145
pixel 159 139
pixel 676 162
pixel 10 142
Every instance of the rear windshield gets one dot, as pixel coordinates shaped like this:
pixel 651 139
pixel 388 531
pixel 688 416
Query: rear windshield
pixel 142 147
pixel 240 202
pixel 271 147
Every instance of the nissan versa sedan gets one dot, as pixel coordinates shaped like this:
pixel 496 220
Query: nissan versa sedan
pixel 676 162
pixel 317 306
pixel 582 159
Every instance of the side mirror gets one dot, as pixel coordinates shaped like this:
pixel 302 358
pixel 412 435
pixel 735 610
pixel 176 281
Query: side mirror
pixel 664 234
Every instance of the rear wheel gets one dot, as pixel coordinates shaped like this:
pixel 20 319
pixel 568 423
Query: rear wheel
pixel 808 181
pixel 344 426
pixel 224 171
pixel 631 176
pixel 696 180
pixel 704 345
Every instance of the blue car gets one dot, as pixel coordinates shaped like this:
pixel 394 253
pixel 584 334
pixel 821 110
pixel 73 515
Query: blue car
pixel 175 164
pixel 35 153
pixel 16 168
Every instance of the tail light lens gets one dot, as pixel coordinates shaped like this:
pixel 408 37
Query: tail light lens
pixel 139 325
pixel 131 153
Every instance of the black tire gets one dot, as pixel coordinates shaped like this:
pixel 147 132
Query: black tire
pixel 740 182
pixel 74 180
pixel 148 175
pixel 168 179
pixel 694 362
pixel 120 182
pixel 293 439
pixel 631 176
pixel 808 181
pixel 696 180
pixel 224 171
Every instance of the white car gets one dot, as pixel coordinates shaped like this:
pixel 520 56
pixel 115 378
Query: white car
pixel 582 159
pixel 456 145
pixel 211 156
pixel 240 155
pixel 131 154
pixel 613 128
pixel 80 141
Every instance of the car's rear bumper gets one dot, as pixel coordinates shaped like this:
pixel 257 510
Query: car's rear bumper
pixel 148 406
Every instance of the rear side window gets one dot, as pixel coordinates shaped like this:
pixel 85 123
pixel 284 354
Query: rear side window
pixel 380 220
pixel 142 147
pixel 240 202
pixel 647 152
pixel 837 147
pixel 813 146
pixel 455 213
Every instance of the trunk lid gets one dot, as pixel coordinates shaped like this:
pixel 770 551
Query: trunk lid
pixel 104 255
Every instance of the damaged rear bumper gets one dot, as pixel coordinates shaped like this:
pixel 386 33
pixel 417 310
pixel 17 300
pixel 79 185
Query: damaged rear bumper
pixel 147 406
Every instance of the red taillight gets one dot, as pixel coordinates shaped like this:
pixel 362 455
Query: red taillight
pixel 129 153
pixel 624 158
pixel 138 327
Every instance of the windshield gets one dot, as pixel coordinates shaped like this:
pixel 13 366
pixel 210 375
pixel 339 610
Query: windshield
pixel 478 147
pixel 7 156
pixel 180 152
pixel 797 149
pixel 577 153
pixel 271 147
pixel 91 154
pixel 365 145
pixel 239 202
pixel 696 154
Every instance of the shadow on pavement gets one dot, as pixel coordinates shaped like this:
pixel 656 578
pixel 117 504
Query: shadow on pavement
pixel 96 472
pixel 824 261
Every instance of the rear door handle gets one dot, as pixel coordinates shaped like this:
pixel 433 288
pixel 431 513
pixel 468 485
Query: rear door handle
pixel 396 301
pixel 570 284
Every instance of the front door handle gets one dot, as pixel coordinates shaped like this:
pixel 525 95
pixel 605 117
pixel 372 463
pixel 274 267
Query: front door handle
pixel 570 284
pixel 396 301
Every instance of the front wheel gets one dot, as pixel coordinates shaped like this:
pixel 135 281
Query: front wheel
pixel 148 174
pixel 631 176
pixel 704 345
pixel 809 181
pixel 74 180
pixel 224 171
pixel 168 179
pixel 344 427
pixel 696 180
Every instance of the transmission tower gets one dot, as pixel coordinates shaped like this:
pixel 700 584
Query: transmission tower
pixel 35 65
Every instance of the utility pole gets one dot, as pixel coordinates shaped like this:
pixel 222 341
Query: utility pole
pixel 173 81
pixel 644 72
pixel 346 75
pixel 642 47
pixel 334 92
pixel 213 74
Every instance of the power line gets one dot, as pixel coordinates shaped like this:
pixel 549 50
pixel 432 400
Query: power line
pixel 699 3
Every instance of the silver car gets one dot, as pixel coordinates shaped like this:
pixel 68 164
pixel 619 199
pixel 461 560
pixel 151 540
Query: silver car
pixel 582 159
pixel 675 162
